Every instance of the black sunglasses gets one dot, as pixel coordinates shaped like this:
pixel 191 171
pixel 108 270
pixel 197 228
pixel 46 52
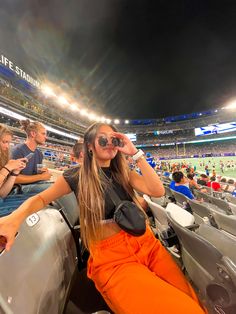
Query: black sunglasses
pixel 103 141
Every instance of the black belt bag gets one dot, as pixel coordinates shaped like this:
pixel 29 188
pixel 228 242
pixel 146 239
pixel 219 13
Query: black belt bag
pixel 128 216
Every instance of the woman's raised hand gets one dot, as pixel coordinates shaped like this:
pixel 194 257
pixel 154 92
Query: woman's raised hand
pixel 8 229
pixel 128 147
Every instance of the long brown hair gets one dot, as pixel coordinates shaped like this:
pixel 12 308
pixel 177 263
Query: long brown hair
pixel 92 187
pixel 4 155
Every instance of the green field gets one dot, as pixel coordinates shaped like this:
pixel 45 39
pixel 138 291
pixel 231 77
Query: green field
pixel 196 161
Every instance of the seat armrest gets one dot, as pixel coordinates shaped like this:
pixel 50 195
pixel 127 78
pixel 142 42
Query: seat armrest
pixel 192 227
pixel 231 268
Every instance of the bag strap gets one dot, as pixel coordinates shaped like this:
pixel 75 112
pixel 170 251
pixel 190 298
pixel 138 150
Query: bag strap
pixel 114 196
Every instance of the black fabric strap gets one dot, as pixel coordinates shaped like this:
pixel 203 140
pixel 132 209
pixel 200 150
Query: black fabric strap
pixel 113 196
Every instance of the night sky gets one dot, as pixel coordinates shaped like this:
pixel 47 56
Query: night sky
pixel 127 58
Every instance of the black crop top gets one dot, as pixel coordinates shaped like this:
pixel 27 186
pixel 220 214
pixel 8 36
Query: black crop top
pixel 72 178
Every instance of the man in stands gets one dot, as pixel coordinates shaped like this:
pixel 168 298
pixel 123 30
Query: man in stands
pixel 32 181
pixel 77 154
pixel 214 185
pixel 203 179
pixel 180 184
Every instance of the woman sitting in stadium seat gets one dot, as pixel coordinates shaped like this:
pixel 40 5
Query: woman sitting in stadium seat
pixel 9 170
pixel 135 274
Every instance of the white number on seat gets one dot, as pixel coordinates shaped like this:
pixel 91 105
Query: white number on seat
pixel 32 220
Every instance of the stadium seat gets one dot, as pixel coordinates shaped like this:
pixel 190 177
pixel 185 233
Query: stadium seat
pixel 225 222
pixel 202 209
pixel 69 206
pixel 221 204
pixel 230 198
pixel 181 200
pixel 159 200
pixel 159 214
pixel 36 274
pixel 168 194
pixel 182 217
pixel 212 272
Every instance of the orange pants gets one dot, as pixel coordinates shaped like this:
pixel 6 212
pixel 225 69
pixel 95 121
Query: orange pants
pixel 136 275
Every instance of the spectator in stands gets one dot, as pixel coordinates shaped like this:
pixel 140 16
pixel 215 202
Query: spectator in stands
pixel 179 184
pixel 122 266
pixel 230 186
pixel 9 170
pixel 203 179
pixel 31 180
pixel 223 184
pixel 77 153
pixel 214 185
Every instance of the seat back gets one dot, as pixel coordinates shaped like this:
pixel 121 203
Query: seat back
pixel 180 215
pixel 181 199
pixel 158 212
pixel 68 204
pixel 199 211
pixel 210 271
pixel 159 200
pixel 198 208
pixel 225 222
pixel 230 198
pixel 36 274
pixel 221 204
pixel 223 242
pixel 168 191
pixel 201 195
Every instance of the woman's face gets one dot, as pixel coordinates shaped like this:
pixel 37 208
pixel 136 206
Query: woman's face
pixel 104 154
pixel 5 141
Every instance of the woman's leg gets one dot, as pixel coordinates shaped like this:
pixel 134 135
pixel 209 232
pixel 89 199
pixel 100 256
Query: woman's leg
pixel 128 272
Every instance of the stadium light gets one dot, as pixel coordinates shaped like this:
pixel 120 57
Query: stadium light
pixel 116 121
pixel 126 121
pixel 83 112
pixel 73 107
pixel 62 100
pixel 48 91
pixel 92 116
pixel 231 105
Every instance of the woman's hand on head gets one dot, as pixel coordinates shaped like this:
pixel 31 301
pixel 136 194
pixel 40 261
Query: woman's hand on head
pixel 8 229
pixel 128 147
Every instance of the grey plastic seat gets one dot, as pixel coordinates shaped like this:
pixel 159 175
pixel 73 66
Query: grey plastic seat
pixel 221 204
pixel 199 211
pixel 230 198
pixel 201 195
pixel 203 209
pixel 159 200
pixel 159 214
pixel 168 191
pixel 222 241
pixel 36 274
pixel 226 222
pixel 181 199
pixel 213 273
pixel 68 204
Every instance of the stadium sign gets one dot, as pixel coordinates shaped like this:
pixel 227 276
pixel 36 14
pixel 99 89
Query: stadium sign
pixel 18 71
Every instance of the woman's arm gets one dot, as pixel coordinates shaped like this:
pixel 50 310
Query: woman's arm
pixel 149 182
pixel 7 180
pixel 9 225
pixel 7 186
